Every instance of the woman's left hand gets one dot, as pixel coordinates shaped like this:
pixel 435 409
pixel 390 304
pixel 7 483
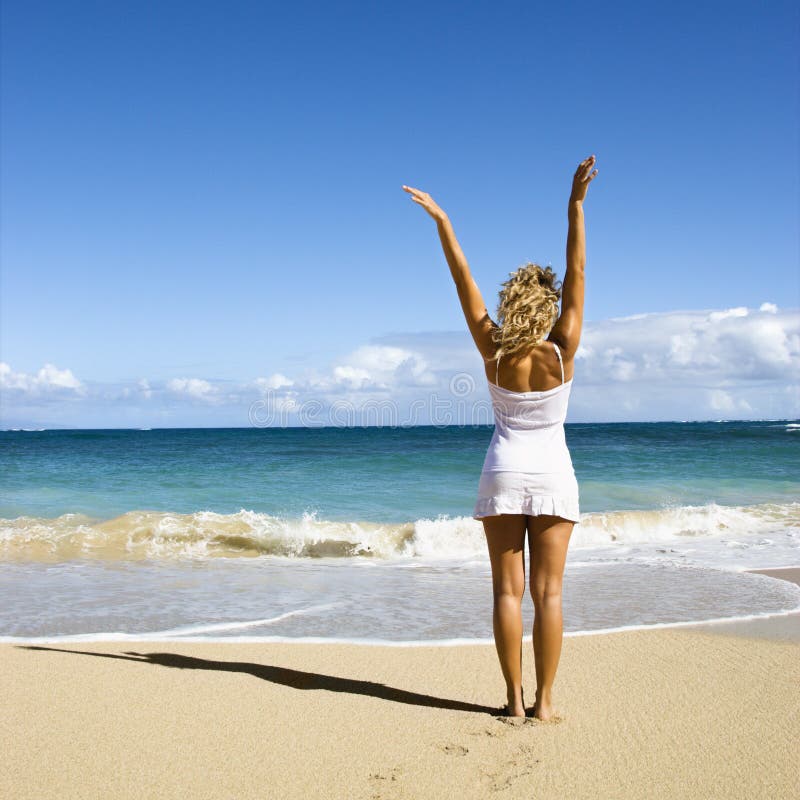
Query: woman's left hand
pixel 427 202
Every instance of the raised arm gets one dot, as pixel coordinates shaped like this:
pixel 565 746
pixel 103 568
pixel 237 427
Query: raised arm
pixel 479 322
pixel 567 330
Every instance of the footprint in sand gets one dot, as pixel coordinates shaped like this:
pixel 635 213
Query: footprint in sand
pixel 454 749
pixel 516 722
pixel 554 720
pixel 493 732
pixel 378 776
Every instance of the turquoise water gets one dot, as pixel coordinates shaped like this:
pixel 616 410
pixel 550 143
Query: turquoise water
pixel 381 474
pixel 366 533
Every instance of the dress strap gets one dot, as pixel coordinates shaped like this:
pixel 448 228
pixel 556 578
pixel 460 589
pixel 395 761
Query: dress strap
pixel 497 372
pixel 560 361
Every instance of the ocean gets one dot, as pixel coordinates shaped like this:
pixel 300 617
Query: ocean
pixel 366 535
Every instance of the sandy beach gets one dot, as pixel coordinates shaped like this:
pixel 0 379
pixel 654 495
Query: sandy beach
pixel 328 332
pixel 702 711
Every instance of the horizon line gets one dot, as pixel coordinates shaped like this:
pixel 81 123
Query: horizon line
pixel 354 427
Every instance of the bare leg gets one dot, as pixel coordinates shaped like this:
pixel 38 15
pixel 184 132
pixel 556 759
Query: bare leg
pixel 548 541
pixel 505 536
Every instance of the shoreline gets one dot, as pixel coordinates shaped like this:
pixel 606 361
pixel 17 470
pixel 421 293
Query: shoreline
pixel 780 624
pixel 776 626
pixel 791 574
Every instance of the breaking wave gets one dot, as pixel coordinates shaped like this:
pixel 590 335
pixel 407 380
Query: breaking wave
pixel 204 534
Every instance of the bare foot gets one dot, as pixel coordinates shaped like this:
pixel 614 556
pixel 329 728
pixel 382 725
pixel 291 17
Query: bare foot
pixel 516 708
pixel 543 710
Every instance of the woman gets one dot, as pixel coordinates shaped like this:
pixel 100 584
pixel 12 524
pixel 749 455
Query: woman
pixel 527 485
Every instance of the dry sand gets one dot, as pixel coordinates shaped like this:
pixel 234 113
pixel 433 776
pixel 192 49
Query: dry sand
pixel 664 713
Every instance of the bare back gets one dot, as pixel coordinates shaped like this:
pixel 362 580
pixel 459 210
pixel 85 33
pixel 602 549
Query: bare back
pixel 536 371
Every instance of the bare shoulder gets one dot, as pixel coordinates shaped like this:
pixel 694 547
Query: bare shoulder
pixel 551 357
pixel 566 337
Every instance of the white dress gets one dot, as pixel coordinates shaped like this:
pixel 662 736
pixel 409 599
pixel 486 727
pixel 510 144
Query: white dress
pixel 528 468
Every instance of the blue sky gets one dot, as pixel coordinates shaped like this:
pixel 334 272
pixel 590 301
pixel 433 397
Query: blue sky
pixel 198 197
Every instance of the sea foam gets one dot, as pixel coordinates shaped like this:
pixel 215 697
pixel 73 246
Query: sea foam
pixel 157 535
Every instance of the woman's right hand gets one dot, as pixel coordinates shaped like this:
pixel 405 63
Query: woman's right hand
pixel 426 201
pixel 583 177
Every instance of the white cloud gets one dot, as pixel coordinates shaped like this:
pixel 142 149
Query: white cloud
pixel 716 316
pixel 692 347
pixel 384 366
pixel 274 381
pixel 370 368
pixel 354 376
pixel 192 387
pixel 729 363
pixel 690 364
pixel 668 365
pixel 720 400
pixel 49 379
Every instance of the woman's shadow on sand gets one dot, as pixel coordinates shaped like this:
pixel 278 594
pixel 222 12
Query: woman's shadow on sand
pixel 295 678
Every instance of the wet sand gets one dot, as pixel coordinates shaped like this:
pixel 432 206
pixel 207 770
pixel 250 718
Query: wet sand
pixel 785 628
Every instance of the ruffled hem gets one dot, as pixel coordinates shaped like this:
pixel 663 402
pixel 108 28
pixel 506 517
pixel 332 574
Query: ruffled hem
pixel 556 505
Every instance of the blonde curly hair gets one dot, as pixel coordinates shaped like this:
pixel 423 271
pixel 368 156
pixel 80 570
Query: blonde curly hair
pixel 527 310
